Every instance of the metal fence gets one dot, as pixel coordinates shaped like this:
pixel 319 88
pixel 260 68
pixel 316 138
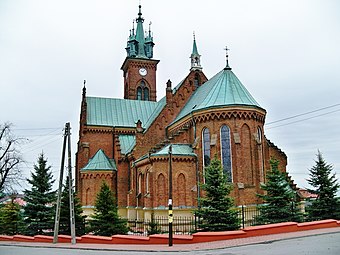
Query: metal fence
pixel 185 225
pixel 180 225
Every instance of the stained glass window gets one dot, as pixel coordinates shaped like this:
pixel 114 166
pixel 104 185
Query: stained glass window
pixel 260 150
pixel 226 152
pixel 139 93
pixel 206 147
pixel 146 94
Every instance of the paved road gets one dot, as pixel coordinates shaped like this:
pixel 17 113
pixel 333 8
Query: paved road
pixel 326 244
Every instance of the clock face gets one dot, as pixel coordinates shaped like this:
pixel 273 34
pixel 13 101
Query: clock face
pixel 143 72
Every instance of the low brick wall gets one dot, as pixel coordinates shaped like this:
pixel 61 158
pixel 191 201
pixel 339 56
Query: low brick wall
pixel 182 239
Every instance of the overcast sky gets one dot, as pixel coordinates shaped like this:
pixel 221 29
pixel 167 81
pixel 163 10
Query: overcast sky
pixel 286 53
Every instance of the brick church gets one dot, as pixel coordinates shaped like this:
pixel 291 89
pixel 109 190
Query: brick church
pixel 126 142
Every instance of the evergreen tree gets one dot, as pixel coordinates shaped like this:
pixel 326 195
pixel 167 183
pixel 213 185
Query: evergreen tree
pixel 216 213
pixel 326 205
pixel 106 221
pixel 280 198
pixel 65 225
pixel 11 220
pixel 39 210
pixel 153 226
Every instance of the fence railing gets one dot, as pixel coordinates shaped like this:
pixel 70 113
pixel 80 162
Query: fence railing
pixel 184 225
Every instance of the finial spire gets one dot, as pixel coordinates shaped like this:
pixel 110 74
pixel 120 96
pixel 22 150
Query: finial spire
pixel 84 89
pixel 133 27
pixel 140 10
pixel 150 28
pixel 195 57
pixel 194 47
pixel 227 58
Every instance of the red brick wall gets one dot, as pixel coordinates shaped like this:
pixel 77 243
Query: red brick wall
pixel 183 180
pixel 133 78
pixel 91 183
pixel 156 133
pixel 250 155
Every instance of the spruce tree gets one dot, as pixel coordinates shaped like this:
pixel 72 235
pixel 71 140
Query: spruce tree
pixel 65 225
pixel 280 199
pixel 216 213
pixel 326 205
pixel 39 210
pixel 11 220
pixel 106 221
pixel 153 226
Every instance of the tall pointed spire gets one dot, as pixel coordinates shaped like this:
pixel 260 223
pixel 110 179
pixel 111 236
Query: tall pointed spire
pixel 195 57
pixel 140 44
pixel 194 47
pixel 140 34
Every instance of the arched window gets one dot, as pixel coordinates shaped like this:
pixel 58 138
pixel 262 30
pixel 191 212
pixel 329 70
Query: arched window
pixel 259 135
pixel 147 182
pixel 247 168
pixel 146 94
pixel 226 152
pixel 181 190
pixel 196 80
pixel 206 148
pixel 260 151
pixel 143 92
pixel 87 196
pixel 161 191
pixel 139 183
pixel 139 93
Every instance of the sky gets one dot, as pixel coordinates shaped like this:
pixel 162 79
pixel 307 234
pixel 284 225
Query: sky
pixel 285 52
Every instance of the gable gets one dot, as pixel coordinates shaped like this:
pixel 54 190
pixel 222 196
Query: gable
pixel 100 162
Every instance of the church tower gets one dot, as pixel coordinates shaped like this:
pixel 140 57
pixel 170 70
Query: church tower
pixel 195 58
pixel 139 68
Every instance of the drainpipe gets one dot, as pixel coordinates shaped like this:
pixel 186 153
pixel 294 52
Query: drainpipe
pixel 113 156
pixel 197 170
pixel 129 173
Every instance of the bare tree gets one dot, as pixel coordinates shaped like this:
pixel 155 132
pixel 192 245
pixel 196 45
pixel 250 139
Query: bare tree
pixel 10 157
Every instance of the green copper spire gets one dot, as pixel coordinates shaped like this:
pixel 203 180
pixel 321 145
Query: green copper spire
pixel 194 47
pixel 195 57
pixel 140 34
pixel 140 45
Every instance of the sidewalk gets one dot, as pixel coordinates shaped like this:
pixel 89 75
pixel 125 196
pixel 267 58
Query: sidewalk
pixel 180 247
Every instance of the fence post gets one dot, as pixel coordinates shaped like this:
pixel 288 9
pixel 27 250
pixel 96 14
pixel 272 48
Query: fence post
pixel 243 216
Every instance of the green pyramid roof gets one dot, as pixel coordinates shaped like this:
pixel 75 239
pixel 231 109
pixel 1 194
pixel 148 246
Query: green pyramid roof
pixel 100 162
pixel 194 48
pixel 222 90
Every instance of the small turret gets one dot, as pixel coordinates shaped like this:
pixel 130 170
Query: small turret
pixel 195 57
pixel 140 44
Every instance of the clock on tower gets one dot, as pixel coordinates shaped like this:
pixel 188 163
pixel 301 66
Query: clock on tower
pixel 139 68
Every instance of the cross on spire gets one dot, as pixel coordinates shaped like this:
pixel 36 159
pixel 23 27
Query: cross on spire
pixel 227 57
